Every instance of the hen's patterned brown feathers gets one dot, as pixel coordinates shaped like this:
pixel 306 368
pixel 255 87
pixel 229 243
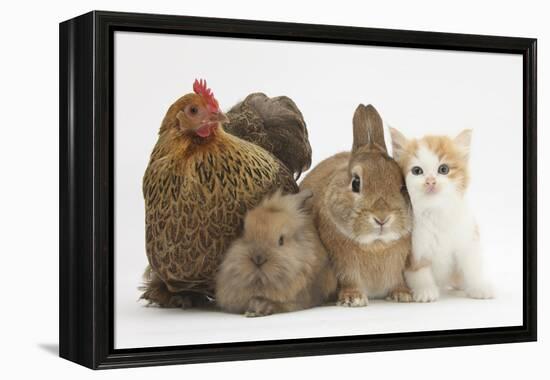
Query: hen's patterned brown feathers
pixel 196 198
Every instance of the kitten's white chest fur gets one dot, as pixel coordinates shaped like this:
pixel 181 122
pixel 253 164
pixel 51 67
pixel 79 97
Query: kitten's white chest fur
pixel 441 235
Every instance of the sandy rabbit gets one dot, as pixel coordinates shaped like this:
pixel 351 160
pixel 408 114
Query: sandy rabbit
pixel 363 214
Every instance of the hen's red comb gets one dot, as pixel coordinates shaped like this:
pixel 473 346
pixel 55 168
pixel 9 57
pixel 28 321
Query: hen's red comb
pixel 199 86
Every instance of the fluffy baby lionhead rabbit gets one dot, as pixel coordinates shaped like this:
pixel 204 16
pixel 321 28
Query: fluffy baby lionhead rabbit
pixel 279 264
pixel 445 237
pixel 363 214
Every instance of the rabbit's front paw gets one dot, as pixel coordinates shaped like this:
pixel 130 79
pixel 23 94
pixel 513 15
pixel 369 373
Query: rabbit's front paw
pixel 426 294
pixel 259 307
pixel 482 291
pixel 400 295
pixel 352 298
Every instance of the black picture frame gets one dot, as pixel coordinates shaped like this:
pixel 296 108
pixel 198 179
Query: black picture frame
pixel 87 180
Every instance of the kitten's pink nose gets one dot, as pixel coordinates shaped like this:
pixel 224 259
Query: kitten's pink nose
pixel 430 181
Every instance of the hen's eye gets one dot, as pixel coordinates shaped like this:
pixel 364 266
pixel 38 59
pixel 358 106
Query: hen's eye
pixel 443 169
pixel 193 110
pixel 281 240
pixel 355 184
pixel 417 170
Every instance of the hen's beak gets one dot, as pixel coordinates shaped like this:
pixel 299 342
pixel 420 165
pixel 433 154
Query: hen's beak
pixel 219 117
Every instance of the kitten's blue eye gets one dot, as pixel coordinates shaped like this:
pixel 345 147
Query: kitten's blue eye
pixel 443 169
pixel 417 170
pixel 355 183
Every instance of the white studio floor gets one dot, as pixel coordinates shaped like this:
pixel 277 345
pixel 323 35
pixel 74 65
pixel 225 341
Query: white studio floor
pixel 140 326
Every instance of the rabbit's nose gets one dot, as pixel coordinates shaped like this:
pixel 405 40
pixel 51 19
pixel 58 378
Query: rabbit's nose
pixel 259 259
pixel 381 221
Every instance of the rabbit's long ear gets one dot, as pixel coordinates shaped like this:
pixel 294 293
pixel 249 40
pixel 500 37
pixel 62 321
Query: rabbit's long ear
pixel 368 128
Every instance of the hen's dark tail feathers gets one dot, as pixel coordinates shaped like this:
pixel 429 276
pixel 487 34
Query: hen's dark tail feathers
pixel 156 293
pixel 277 125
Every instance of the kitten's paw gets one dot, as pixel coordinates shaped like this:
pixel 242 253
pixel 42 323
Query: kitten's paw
pixel 400 295
pixel 259 307
pixel 484 291
pixel 427 294
pixel 352 298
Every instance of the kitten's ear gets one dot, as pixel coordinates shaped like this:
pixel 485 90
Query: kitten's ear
pixel 398 142
pixel 462 141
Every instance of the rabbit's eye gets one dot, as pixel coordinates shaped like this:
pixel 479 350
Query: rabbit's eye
pixel 355 184
pixel 281 240
pixel 443 169
pixel 417 170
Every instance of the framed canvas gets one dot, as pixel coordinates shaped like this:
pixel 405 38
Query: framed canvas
pixel 127 81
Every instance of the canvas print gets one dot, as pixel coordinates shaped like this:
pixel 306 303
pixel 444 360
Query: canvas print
pixel 276 190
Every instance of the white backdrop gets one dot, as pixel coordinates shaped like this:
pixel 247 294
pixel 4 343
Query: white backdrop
pixel 417 91
pixel 29 157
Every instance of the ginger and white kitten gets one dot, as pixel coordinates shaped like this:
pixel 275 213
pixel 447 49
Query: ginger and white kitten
pixel 445 238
